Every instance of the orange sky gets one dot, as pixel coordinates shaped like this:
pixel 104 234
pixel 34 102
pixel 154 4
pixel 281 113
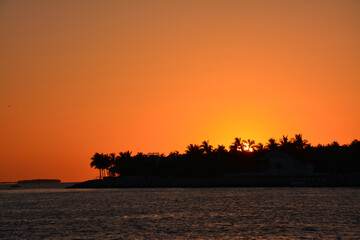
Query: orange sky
pixel 79 77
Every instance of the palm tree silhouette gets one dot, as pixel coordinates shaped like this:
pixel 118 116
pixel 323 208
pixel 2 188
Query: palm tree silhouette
pixel 174 154
pixel 106 163
pixel 193 149
pixel 259 147
pixel 284 141
pixel 101 162
pixel 112 159
pixel 96 162
pixel 140 155
pixel 120 166
pixel 249 145
pixel 328 158
pixel 125 155
pixel 221 149
pixel 206 147
pixel 236 145
pixel 272 144
pixel 299 142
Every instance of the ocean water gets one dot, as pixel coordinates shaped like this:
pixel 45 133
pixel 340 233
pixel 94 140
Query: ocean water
pixel 208 213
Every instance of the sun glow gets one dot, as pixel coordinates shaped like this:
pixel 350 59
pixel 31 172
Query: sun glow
pixel 247 148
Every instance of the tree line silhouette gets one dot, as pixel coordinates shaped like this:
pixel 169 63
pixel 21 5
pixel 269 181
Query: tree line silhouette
pixel 205 160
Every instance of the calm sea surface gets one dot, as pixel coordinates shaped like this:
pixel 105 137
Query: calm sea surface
pixel 209 213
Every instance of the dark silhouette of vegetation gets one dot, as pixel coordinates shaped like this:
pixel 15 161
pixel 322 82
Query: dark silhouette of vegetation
pixel 101 162
pixel 243 156
pixel 284 142
pixel 272 144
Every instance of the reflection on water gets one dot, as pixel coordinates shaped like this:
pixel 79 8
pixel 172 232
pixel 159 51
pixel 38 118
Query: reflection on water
pixel 16 186
pixel 221 213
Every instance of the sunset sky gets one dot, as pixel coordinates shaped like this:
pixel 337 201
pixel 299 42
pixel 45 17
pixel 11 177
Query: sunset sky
pixel 79 77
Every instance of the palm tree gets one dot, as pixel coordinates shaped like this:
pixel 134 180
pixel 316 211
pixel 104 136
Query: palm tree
pixel 101 162
pixel 123 163
pixel 259 147
pixel 125 155
pixel 96 162
pixel 106 164
pixel 272 144
pixel 248 145
pixel 206 147
pixel 236 145
pixel 193 149
pixel 140 155
pixel 112 159
pixel 116 166
pixel 174 154
pixel 284 141
pixel 220 149
pixel 299 142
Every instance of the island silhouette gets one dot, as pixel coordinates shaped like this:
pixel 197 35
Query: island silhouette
pixel 284 162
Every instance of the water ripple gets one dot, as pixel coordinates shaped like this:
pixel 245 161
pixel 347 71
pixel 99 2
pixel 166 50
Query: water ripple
pixel 217 213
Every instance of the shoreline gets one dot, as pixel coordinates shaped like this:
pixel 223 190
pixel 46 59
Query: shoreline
pixel 234 181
